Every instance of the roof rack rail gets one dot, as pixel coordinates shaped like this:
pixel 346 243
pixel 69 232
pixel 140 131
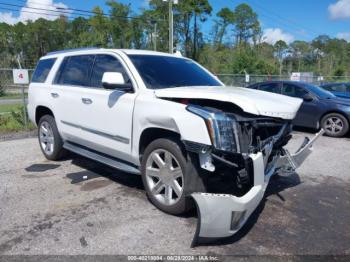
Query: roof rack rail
pixel 71 50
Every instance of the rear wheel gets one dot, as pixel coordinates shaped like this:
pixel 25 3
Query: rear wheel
pixel 50 141
pixel 170 175
pixel 335 125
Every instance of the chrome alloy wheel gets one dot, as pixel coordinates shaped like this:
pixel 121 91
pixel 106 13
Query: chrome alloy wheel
pixel 46 138
pixel 164 177
pixel 334 125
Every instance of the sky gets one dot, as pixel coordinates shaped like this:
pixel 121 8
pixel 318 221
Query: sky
pixel 280 19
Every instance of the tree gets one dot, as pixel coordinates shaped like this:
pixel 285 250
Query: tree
pixel 280 48
pixel 76 29
pixel 121 28
pixel 247 25
pixel 192 13
pixel 226 17
pixel 299 50
pixel 100 29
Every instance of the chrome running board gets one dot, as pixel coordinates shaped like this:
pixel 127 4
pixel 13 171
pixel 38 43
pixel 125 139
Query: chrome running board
pixel 104 159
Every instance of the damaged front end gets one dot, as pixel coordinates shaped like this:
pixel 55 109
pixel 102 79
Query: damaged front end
pixel 247 149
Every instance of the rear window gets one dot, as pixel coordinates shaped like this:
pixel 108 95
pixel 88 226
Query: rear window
pixel 42 70
pixel 75 70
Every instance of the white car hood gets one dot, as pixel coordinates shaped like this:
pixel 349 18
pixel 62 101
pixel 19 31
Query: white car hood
pixel 251 101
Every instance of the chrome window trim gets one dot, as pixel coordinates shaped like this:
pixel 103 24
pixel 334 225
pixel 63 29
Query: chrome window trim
pixel 113 54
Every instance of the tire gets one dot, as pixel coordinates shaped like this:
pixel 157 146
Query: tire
pixel 50 141
pixel 335 125
pixel 159 175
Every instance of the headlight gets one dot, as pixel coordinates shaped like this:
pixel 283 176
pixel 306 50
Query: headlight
pixel 221 128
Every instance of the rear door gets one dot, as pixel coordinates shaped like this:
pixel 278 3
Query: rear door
pixel 39 88
pixel 72 78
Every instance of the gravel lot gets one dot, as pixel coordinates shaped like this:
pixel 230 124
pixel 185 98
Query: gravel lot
pixel 47 208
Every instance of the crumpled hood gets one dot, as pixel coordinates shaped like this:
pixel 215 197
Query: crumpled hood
pixel 251 101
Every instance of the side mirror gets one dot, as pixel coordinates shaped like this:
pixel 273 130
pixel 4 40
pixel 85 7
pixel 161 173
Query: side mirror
pixel 115 80
pixel 308 98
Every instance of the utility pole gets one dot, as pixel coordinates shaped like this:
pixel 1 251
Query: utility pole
pixel 171 24
pixel 171 27
pixel 154 35
pixel 23 97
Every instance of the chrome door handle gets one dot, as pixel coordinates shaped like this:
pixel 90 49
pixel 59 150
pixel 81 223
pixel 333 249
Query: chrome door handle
pixel 86 101
pixel 54 95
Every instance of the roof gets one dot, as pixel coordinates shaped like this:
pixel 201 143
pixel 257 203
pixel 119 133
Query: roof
pixel 71 50
pixel 126 51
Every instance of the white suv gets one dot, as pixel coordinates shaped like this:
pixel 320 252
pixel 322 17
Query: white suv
pixel 170 120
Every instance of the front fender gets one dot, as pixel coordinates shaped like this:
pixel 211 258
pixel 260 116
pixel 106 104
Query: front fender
pixel 151 112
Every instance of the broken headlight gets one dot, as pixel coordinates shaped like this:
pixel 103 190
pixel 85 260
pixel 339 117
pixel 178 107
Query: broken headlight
pixel 221 127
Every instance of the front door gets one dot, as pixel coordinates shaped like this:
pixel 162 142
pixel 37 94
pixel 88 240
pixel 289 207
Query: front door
pixel 95 117
pixel 108 113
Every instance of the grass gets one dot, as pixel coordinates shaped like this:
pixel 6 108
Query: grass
pixel 12 96
pixel 9 108
pixel 14 120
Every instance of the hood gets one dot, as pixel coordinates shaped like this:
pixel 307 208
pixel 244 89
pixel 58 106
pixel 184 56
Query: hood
pixel 251 101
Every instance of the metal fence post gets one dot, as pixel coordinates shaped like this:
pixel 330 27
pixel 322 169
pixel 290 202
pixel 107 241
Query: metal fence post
pixel 24 108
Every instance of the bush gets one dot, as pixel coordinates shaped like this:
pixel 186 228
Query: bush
pixel 8 124
pixel 18 115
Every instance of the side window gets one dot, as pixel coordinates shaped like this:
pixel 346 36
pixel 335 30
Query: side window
pixel 106 63
pixel 75 70
pixel 42 70
pixel 293 90
pixel 270 87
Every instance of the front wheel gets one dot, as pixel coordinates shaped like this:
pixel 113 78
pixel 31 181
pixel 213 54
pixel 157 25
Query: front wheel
pixel 169 176
pixel 335 125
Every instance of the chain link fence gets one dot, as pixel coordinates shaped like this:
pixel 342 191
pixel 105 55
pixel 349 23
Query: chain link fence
pixel 241 79
pixel 13 100
pixel 7 87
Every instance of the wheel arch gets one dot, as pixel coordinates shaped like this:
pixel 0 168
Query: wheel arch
pixel 40 111
pixel 152 133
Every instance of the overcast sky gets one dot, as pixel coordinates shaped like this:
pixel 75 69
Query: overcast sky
pixel 286 20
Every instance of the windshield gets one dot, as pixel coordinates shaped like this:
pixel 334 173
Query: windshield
pixel 165 71
pixel 320 92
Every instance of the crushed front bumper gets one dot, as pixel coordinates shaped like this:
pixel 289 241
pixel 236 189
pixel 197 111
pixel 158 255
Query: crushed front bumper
pixel 222 215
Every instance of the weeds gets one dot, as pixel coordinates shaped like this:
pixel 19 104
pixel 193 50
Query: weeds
pixel 14 121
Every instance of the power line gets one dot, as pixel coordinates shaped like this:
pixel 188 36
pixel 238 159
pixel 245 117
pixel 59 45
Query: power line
pixel 68 8
pixel 17 10
pixel 88 13
pixel 56 10
pixel 42 9
pixel 281 19
pixel 288 20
